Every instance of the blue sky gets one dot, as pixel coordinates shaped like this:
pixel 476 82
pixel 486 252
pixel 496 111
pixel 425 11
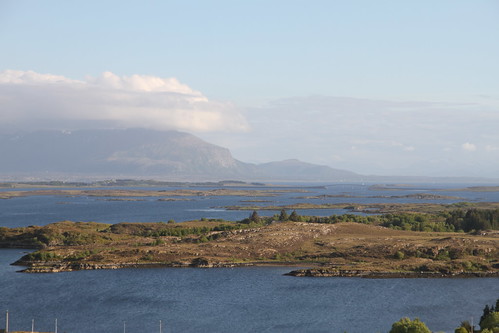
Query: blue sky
pixel 376 87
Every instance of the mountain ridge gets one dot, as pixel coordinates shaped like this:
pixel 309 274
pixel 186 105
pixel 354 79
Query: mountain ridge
pixel 93 155
pixel 142 153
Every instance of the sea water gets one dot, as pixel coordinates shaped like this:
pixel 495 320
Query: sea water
pixel 42 210
pixel 259 299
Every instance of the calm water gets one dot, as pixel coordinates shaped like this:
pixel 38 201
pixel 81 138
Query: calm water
pixel 222 300
pixel 41 210
pixel 232 300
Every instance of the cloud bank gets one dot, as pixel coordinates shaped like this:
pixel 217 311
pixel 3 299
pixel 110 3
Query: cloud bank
pixel 367 136
pixel 371 136
pixel 31 100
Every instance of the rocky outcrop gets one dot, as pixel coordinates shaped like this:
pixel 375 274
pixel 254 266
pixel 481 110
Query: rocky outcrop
pixel 59 266
pixel 325 272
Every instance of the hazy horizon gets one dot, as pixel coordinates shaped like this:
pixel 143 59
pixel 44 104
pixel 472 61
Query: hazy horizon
pixel 383 88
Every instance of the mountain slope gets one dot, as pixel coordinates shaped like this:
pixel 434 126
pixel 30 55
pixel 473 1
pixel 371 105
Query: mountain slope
pixel 129 152
pixel 141 153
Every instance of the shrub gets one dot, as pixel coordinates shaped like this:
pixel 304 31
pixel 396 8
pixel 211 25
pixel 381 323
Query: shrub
pixel 399 255
pixel 405 325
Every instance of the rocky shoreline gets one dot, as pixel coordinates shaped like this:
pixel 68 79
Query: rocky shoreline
pixel 57 267
pixel 325 272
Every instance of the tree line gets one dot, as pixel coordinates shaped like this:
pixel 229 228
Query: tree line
pixel 489 323
pixel 474 219
pixel 453 221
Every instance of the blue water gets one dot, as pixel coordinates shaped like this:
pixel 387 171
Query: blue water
pixel 223 300
pixel 42 210
pixel 231 300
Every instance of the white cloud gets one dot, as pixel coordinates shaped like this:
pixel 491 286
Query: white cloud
pixel 373 136
pixel 468 146
pixel 33 100
pixel 144 83
pixel 30 77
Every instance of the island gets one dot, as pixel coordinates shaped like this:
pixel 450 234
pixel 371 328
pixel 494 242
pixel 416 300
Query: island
pixel 390 245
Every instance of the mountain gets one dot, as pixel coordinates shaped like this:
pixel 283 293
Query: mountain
pixel 298 170
pixel 131 152
pixel 141 153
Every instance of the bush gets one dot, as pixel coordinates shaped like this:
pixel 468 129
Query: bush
pixel 157 241
pixel 399 255
pixel 405 325
pixel 203 239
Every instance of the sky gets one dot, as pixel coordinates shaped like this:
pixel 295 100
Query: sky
pixel 374 87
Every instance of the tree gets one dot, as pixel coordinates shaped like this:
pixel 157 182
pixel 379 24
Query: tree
pixel 486 312
pixel 405 325
pixel 294 217
pixel 254 217
pixel 491 321
pixel 283 216
pixel 461 330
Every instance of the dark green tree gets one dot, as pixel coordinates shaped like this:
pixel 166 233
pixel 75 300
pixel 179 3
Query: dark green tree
pixel 486 312
pixel 255 218
pixel 283 216
pixel 294 217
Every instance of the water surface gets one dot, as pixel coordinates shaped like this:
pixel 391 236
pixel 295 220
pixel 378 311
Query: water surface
pixel 42 210
pixel 257 299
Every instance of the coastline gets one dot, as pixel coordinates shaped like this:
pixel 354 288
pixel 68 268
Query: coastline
pixel 302 272
pixel 318 272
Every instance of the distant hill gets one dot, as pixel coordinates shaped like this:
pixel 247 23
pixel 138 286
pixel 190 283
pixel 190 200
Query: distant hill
pixel 141 153
pixel 295 169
